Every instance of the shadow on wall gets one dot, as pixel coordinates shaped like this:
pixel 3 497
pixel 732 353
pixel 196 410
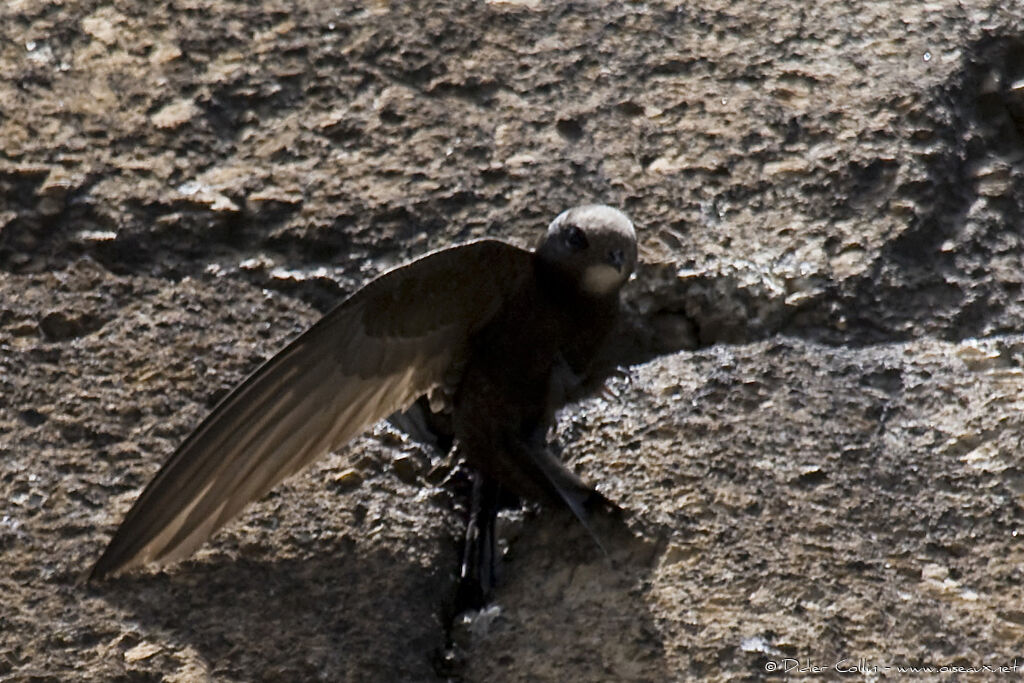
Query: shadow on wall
pixel 356 615
pixel 942 275
pixel 582 614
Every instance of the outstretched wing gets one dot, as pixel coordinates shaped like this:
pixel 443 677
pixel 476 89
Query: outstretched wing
pixel 378 350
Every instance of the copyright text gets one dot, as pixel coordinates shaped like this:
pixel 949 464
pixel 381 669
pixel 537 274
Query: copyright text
pixel 791 665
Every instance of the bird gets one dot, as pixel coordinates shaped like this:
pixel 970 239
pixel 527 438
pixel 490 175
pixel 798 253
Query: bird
pixel 485 338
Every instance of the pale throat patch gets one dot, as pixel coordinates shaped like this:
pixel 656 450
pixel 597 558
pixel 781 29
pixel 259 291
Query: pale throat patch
pixel 601 279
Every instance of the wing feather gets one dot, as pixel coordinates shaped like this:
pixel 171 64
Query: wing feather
pixel 374 354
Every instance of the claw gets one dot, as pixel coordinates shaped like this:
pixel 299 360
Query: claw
pixel 609 391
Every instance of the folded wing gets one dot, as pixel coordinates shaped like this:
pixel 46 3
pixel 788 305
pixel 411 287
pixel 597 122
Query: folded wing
pixel 375 353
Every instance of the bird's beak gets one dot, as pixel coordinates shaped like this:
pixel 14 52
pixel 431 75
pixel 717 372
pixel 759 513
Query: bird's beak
pixel 617 259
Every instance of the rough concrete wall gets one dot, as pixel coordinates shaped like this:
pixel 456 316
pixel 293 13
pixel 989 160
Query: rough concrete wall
pixel 819 454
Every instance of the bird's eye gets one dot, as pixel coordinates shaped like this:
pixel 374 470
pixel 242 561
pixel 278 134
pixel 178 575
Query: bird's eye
pixel 574 238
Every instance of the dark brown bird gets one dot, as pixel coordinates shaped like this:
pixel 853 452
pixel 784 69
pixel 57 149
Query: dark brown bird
pixel 495 336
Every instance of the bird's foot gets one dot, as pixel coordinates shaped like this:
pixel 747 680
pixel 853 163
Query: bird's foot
pixel 620 379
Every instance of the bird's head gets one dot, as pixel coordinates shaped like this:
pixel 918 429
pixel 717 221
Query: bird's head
pixel 594 245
